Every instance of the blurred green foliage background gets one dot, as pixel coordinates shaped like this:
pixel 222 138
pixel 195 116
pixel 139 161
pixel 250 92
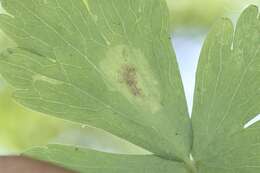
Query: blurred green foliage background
pixel 203 13
pixel 21 128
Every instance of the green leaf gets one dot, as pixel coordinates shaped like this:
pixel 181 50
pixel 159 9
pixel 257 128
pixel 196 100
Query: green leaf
pixel 89 161
pixel 227 96
pixel 105 63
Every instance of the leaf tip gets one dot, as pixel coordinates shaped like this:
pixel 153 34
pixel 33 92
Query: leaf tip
pixel 251 10
pixel 252 7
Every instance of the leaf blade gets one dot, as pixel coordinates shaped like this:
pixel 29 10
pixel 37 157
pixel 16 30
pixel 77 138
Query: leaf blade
pixel 120 64
pixel 227 97
pixel 90 161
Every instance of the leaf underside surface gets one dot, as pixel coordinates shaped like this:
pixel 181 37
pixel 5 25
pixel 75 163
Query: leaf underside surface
pixel 227 96
pixel 90 161
pixel 110 64
pixel 107 64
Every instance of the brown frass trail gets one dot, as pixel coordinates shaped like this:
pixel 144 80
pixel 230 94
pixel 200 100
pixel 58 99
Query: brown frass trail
pixel 128 75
